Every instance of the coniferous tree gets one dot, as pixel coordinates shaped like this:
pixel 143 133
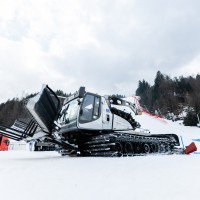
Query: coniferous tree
pixel 190 119
pixel 171 95
pixel 144 91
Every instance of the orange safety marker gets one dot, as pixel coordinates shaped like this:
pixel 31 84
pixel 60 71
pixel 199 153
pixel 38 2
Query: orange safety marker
pixel 4 142
pixel 190 149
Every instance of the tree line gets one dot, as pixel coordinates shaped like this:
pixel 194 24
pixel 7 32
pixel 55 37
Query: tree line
pixel 172 96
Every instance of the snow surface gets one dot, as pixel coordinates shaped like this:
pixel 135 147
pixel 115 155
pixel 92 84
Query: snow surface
pixel 46 175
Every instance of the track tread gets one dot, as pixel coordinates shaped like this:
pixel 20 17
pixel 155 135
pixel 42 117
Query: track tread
pixel 106 145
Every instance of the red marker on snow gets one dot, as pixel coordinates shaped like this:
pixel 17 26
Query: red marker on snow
pixel 190 149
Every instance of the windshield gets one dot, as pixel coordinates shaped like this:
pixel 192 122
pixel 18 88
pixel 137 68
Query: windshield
pixel 68 112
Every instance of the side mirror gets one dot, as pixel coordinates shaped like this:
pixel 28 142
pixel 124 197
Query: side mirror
pixel 81 92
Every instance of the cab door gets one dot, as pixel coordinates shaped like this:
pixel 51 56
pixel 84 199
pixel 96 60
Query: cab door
pixel 107 116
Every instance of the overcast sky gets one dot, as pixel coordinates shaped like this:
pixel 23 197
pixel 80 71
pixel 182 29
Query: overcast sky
pixel 105 45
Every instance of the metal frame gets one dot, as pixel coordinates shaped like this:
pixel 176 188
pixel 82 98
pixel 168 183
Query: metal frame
pixel 17 134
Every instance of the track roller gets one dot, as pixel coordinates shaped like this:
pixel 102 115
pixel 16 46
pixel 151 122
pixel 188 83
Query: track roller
pixel 162 148
pixel 128 148
pixel 154 148
pixel 146 148
pixel 119 148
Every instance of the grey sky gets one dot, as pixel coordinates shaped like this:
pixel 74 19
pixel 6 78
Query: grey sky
pixel 105 45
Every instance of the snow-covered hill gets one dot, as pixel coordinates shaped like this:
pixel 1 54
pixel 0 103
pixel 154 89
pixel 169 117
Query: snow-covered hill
pixel 158 125
pixel 46 175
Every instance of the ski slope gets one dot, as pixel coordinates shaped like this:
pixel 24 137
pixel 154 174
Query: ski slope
pixel 158 125
pixel 46 175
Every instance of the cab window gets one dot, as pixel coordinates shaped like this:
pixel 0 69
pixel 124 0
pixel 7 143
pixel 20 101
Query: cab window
pixel 90 109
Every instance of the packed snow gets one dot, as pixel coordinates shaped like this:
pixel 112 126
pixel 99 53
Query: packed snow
pixel 47 175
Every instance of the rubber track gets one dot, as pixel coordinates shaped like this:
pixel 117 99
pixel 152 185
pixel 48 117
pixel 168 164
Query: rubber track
pixel 122 144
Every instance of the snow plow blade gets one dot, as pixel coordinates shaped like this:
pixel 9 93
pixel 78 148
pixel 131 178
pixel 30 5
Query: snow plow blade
pixel 190 149
pixel 44 108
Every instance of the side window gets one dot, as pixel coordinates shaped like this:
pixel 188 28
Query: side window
pixel 96 108
pixel 90 109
